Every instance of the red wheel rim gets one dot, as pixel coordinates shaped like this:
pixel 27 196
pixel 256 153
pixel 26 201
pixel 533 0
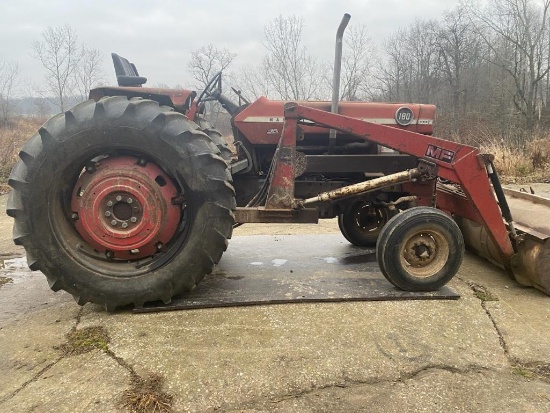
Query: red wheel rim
pixel 126 208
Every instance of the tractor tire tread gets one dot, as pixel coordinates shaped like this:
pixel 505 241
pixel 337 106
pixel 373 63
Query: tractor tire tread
pixel 215 216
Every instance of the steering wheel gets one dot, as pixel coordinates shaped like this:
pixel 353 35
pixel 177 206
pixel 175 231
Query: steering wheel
pixel 212 89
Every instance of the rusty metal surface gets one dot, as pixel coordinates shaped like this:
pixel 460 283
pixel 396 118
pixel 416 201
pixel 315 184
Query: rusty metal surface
pixel 265 269
pixel 281 216
pixel 281 181
pixel 262 121
pixel 120 208
pixel 455 162
pixel 531 213
pixel 180 99
pixel 531 265
pixel 366 186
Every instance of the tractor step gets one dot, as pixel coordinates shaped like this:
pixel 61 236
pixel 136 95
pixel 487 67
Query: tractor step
pixel 268 269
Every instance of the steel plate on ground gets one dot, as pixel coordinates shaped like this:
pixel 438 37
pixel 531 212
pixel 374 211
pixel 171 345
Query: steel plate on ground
pixel 278 269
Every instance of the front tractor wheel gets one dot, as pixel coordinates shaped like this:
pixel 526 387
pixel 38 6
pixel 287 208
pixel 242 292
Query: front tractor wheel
pixel 121 202
pixel 420 249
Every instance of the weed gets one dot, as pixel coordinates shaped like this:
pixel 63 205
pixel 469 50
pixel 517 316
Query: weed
pixel 5 280
pixel 543 370
pixel 522 371
pixel 482 292
pixel 85 340
pixel 533 370
pixel 146 396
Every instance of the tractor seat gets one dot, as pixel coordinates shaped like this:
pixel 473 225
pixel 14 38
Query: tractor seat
pixel 126 72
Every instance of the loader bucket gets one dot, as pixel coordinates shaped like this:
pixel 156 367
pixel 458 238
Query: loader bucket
pixel 531 265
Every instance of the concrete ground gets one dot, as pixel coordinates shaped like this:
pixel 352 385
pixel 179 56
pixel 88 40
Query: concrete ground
pixel 489 351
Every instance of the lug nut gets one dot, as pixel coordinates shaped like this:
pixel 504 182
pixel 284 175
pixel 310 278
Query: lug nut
pixel 133 219
pixel 109 203
pixel 129 200
pixel 159 246
pixel 107 213
pixel 74 216
pixel 109 254
pixel 113 222
pixel 118 198
pixel 124 225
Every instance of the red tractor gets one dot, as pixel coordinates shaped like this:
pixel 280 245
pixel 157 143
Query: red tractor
pixel 132 196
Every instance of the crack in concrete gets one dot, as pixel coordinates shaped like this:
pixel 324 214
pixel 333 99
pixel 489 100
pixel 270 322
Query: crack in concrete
pixel 536 368
pixel 476 288
pixel 31 380
pixel 44 369
pixel 348 383
pixel 501 339
pixel 484 298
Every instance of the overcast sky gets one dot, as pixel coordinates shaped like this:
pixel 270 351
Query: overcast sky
pixel 158 36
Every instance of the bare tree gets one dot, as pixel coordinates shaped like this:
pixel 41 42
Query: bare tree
pixel 9 80
pixel 207 61
pixel 358 59
pixel 357 63
pixel 89 72
pixel 252 82
pixel 517 33
pixel 204 64
pixel 292 74
pixel 411 72
pixel 459 48
pixel 392 69
pixel 60 55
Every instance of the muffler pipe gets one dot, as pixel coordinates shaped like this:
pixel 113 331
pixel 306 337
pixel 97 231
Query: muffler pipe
pixel 336 77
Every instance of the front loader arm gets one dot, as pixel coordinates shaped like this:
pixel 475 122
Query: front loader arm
pixel 458 163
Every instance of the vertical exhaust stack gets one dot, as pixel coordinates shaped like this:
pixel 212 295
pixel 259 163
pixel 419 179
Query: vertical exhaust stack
pixel 336 77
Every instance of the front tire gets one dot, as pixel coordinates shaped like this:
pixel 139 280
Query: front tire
pixel 121 202
pixel 420 249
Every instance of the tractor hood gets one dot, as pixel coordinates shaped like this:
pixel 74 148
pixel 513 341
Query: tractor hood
pixel 262 121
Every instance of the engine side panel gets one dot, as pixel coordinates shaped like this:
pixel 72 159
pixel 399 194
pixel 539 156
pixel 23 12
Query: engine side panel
pixel 262 121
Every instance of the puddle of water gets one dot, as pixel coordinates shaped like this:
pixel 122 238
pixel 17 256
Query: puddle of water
pixel 16 264
pixel 279 262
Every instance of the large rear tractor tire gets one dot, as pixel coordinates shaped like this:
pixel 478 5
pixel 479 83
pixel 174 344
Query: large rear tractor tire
pixel 121 202
pixel 420 249
pixel 215 136
pixel 362 222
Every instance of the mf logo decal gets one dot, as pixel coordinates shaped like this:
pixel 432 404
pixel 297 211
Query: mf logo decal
pixel 440 154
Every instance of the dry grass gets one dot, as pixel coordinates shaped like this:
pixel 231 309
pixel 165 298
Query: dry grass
pixel 146 396
pixel 12 139
pixel 527 164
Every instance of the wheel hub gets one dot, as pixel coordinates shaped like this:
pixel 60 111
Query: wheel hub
pixel 124 208
pixel 420 250
pixel 370 219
